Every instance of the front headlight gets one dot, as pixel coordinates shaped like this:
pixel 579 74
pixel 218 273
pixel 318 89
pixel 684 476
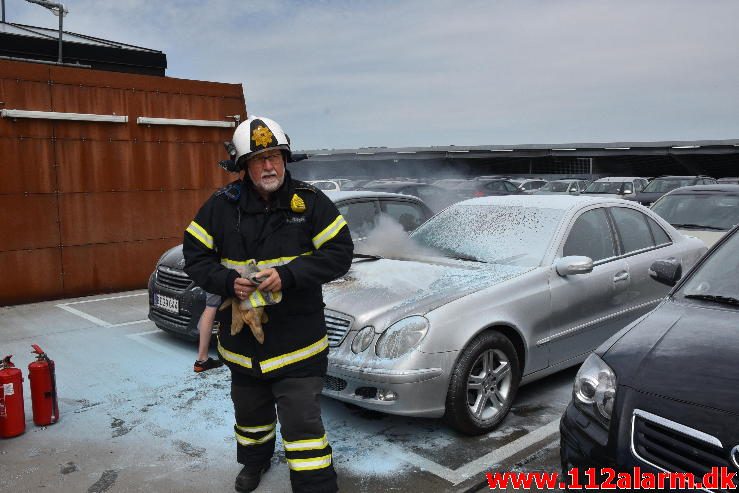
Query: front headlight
pixel 401 337
pixel 363 339
pixel 595 389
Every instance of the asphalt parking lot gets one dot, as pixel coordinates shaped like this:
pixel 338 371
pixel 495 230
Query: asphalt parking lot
pixel 134 417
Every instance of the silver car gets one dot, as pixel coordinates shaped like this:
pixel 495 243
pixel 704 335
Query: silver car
pixel 502 291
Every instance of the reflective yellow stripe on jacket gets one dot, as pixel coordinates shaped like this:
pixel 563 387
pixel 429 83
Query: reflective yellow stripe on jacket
pixel 200 234
pixel 236 358
pixel 262 264
pixel 330 231
pixel 293 357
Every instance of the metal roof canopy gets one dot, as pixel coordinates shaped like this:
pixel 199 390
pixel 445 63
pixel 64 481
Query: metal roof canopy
pixel 32 43
pixel 573 150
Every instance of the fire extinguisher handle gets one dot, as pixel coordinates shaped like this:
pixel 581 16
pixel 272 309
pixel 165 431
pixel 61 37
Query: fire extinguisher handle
pixel 37 349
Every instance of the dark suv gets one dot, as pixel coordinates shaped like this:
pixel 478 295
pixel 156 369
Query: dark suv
pixel 176 303
pixel 663 184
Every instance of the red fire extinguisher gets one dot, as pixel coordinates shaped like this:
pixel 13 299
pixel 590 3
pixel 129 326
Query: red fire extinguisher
pixel 43 389
pixel 12 414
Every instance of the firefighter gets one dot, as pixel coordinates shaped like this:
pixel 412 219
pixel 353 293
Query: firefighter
pixel 297 239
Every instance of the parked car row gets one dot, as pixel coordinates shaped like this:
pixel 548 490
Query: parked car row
pixel 504 290
pixel 176 303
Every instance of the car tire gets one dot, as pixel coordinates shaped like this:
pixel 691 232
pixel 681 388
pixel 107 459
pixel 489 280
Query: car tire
pixel 483 384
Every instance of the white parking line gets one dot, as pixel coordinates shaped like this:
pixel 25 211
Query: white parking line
pixel 104 299
pixel 131 323
pixel 477 467
pixel 86 316
pixel 95 320
pixel 499 455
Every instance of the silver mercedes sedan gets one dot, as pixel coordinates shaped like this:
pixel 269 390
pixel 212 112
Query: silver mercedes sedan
pixel 498 292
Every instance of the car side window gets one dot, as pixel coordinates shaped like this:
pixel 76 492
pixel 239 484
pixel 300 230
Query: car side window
pixel 509 187
pixel 496 186
pixel 633 229
pixel 628 187
pixel 591 236
pixel 360 217
pixel 409 215
pixel 660 237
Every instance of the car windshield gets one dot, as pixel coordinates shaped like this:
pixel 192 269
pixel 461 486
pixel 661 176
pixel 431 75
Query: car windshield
pixel 709 211
pixel 490 233
pixel 555 186
pixel 664 185
pixel 605 187
pixel 716 279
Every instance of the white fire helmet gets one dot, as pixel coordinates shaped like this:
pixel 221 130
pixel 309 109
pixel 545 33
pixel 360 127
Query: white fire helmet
pixel 256 135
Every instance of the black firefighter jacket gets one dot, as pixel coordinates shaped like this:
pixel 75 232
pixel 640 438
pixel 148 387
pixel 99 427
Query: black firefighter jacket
pixel 300 233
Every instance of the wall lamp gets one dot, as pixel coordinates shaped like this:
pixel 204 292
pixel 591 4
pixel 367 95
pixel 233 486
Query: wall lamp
pixel 56 115
pixel 145 120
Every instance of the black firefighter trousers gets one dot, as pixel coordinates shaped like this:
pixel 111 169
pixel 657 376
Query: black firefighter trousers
pixel 307 450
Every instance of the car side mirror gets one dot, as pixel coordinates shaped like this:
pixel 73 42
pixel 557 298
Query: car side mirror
pixel 666 271
pixel 573 265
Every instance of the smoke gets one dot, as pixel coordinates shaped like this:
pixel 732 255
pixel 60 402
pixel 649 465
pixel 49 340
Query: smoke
pixel 389 240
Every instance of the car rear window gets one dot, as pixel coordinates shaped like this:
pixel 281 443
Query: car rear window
pixel 633 229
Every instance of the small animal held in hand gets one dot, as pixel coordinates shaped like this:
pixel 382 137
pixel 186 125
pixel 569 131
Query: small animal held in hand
pixel 243 314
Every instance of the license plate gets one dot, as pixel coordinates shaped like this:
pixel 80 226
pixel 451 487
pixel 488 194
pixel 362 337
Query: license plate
pixel 167 303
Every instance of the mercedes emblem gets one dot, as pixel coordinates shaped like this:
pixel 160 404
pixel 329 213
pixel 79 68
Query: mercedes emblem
pixel 735 456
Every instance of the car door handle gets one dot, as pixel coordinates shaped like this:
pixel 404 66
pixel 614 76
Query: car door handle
pixel 621 276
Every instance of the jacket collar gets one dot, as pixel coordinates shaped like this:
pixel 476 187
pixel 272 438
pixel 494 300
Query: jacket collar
pixel 252 203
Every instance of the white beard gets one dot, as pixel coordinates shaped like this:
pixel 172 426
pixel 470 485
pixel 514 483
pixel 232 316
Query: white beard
pixel 271 184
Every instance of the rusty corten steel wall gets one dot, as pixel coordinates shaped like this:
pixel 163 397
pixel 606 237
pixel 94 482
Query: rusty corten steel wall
pixel 88 207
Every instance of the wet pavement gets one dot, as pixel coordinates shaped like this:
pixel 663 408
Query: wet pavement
pixel 134 417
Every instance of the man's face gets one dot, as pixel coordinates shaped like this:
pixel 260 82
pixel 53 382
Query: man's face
pixel 267 170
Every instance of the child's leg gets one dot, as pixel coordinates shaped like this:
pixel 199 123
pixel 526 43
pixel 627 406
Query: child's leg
pixel 205 327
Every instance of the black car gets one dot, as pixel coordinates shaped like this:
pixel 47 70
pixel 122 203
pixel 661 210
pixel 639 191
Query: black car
pixel 663 184
pixel 176 303
pixel 663 393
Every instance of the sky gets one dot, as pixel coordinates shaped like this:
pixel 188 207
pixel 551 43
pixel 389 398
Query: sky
pixel 346 74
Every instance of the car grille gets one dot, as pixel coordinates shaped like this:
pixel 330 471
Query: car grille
pixel 337 325
pixel 334 383
pixel 173 279
pixel 182 320
pixel 674 447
